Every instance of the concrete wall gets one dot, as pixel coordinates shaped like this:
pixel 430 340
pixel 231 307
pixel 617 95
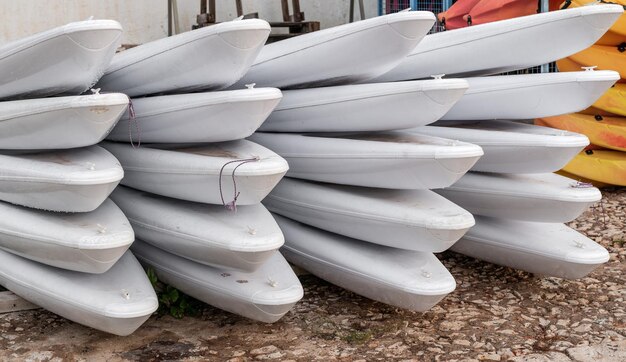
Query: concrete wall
pixel 145 20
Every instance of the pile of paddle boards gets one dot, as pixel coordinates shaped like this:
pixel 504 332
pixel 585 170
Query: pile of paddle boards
pixel 63 244
pixel 356 207
pixel 519 204
pixel 348 127
pixel 193 184
pixel 604 122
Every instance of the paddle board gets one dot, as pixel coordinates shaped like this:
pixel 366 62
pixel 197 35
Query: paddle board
pixel 65 60
pixel 196 117
pixel 59 122
pixel 417 220
pixel 118 301
pixel 76 180
pixel 226 173
pixel 407 279
pixel 506 45
pixel 206 234
pixel 392 160
pixel 264 295
pixel 544 197
pixel 337 55
pixel 540 248
pixel 528 96
pixel 365 107
pixel 211 57
pixel 512 147
pixel 86 242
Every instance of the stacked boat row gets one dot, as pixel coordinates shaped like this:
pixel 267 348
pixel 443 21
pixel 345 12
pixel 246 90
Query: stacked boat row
pixel 604 162
pixel 354 221
pixel 519 205
pixel 64 243
pixel 194 185
pixel 356 208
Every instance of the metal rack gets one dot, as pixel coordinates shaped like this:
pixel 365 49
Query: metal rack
pixel 295 23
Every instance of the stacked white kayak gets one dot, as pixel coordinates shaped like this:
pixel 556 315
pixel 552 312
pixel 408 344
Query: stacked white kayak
pixel 520 205
pixel 353 199
pixel 374 209
pixel 506 45
pixel 194 184
pixel 340 55
pixel 63 243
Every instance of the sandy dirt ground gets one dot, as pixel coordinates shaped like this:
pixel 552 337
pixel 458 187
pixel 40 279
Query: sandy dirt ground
pixel 496 313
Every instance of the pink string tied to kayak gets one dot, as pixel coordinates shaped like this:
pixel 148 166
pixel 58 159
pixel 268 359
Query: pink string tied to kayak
pixel 232 205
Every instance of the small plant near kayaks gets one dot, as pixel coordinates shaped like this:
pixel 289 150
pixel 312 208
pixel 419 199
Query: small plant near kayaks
pixel 171 300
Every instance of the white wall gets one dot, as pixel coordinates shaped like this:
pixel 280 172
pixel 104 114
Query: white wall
pixel 145 20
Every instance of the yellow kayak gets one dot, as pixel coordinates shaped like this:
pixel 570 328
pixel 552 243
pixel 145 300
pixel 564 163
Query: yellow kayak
pixel 606 166
pixel 613 100
pixel 617 32
pixel 602 56
pixel 608 132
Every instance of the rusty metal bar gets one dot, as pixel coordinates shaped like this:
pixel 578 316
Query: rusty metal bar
pixel 284 4
pixel 239 6
pixel 297 14
pixel 212 10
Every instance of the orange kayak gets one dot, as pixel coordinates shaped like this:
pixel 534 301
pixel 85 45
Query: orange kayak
pixel 616 34
pixel 608 132
pixel 453 17
pixel 488 11
pixel 603 56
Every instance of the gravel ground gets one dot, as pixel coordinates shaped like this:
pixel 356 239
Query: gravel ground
pixel 495 313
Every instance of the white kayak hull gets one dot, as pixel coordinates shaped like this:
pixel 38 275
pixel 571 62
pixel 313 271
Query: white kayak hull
pixel 118 301
pixel 207 234
pixel 43 123
pixel 531 197
pixel 295 63
pixel 506 45
pixel 64 60
pixel 539 248
pixel 512 147
pixel 417 220
pixel 84 242
pixel 212 57
pixel 192 172
pixel 393 160
pixel 265 295
pixel 197 117
pixel 76 180
pixel 528 96
pixel 365 107
pixel 406 279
